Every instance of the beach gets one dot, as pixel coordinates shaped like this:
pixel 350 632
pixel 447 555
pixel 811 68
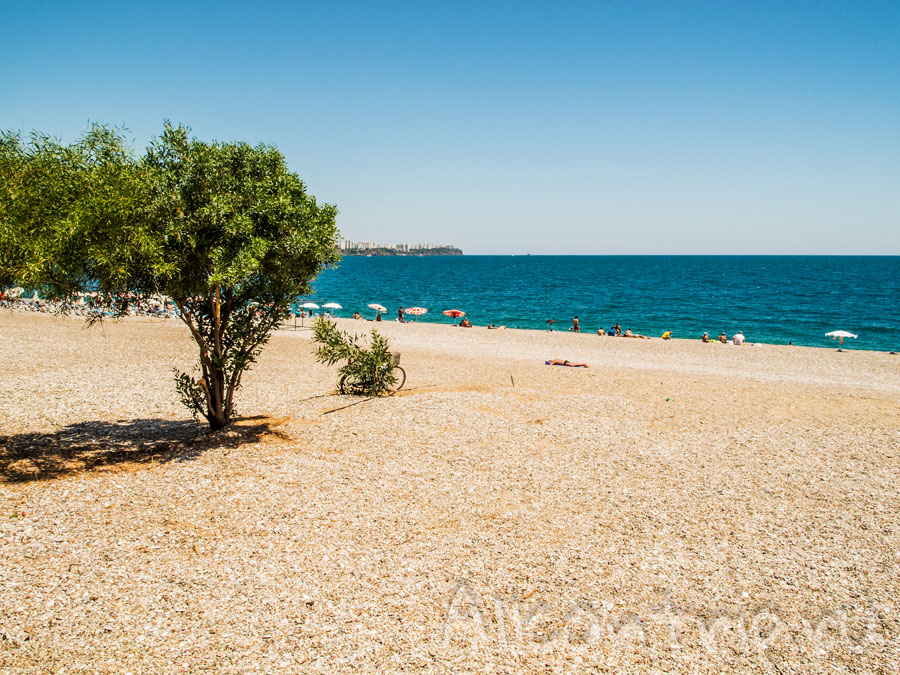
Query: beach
pixel 675 507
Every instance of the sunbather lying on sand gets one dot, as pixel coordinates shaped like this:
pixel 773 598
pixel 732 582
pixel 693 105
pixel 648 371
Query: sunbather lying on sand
pixel 562 362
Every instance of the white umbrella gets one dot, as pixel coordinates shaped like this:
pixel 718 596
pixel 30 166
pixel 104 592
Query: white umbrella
pixel 377 307
pixel 840 335
pixel 331 305
pixel 305 305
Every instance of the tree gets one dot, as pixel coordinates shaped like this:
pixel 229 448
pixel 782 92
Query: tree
pixel 67 212
pixel 224 229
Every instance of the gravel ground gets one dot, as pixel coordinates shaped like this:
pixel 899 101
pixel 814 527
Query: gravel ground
pixel 676 507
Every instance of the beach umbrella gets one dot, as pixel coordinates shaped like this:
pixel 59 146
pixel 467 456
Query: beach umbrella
pixel 840 335
pixel 305 305
pixel 454 313
pixel 332 305
pixel 378 308
pixel 415 311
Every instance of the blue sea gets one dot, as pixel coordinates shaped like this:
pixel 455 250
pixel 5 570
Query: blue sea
pixel 773 299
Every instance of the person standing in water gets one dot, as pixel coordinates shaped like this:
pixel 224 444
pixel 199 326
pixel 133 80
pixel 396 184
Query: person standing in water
pixel 575 326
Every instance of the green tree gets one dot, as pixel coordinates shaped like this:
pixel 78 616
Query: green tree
pixel 224 229
pixel 68 214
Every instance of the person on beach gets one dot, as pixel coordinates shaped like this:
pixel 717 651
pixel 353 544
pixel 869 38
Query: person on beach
pixel 723 338
pixel 550 323
pixel 400 315
pixel 378 316
pixel 612 332
pixel 705 337
pixel 618 330
pixel 629 334
pixel 738 339
pixel 600 331
pixel 575 326
pixel 667 335
pixel 357 315
pixel 465 323
pixel 563 362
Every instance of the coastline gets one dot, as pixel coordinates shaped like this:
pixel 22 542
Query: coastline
pixel 497 513
pixel 772 299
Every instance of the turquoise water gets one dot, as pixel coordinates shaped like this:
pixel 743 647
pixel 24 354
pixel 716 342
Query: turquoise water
pixel 774 299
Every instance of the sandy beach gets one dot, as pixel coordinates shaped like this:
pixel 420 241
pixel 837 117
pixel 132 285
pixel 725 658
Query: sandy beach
pixel 676 507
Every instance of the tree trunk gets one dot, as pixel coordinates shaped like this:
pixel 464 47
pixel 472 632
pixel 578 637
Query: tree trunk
pixel 219 414
pixel 218 417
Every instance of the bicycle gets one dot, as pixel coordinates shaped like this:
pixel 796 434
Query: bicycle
pixel 396 370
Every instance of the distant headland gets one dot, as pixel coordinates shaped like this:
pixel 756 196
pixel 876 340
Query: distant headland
pixel 371 248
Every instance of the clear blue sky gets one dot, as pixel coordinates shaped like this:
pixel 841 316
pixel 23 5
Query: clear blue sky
pixel 510 127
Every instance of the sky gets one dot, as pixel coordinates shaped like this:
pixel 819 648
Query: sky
pixel 509 127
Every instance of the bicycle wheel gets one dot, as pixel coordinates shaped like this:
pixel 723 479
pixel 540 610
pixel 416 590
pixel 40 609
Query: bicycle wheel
pixel 400 374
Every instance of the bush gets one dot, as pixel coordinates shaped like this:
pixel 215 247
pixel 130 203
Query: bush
pixel 367 372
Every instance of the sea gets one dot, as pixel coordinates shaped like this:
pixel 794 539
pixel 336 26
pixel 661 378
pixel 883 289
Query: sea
pixel 772 299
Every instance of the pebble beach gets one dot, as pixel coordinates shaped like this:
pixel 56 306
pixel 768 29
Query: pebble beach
pixel 677 507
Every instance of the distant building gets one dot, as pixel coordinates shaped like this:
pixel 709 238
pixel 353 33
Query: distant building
pixel 355 247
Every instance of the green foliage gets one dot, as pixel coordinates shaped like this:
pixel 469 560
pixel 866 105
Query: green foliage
pixel 366 371
pixel 70 215
pixel 191 393
pixel 224 229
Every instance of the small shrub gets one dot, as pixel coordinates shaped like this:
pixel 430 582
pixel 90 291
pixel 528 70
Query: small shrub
pixel 367 372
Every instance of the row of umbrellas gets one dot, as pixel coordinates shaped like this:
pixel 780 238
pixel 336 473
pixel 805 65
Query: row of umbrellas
pixel 327 305
pixel 418 311
pixel 457 313
pixel 415 311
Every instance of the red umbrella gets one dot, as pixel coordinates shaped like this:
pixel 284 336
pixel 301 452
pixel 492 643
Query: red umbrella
pixel 415 311
pixel 454 313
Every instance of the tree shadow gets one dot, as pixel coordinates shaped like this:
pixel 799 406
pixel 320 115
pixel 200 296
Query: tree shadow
pixel 119 445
